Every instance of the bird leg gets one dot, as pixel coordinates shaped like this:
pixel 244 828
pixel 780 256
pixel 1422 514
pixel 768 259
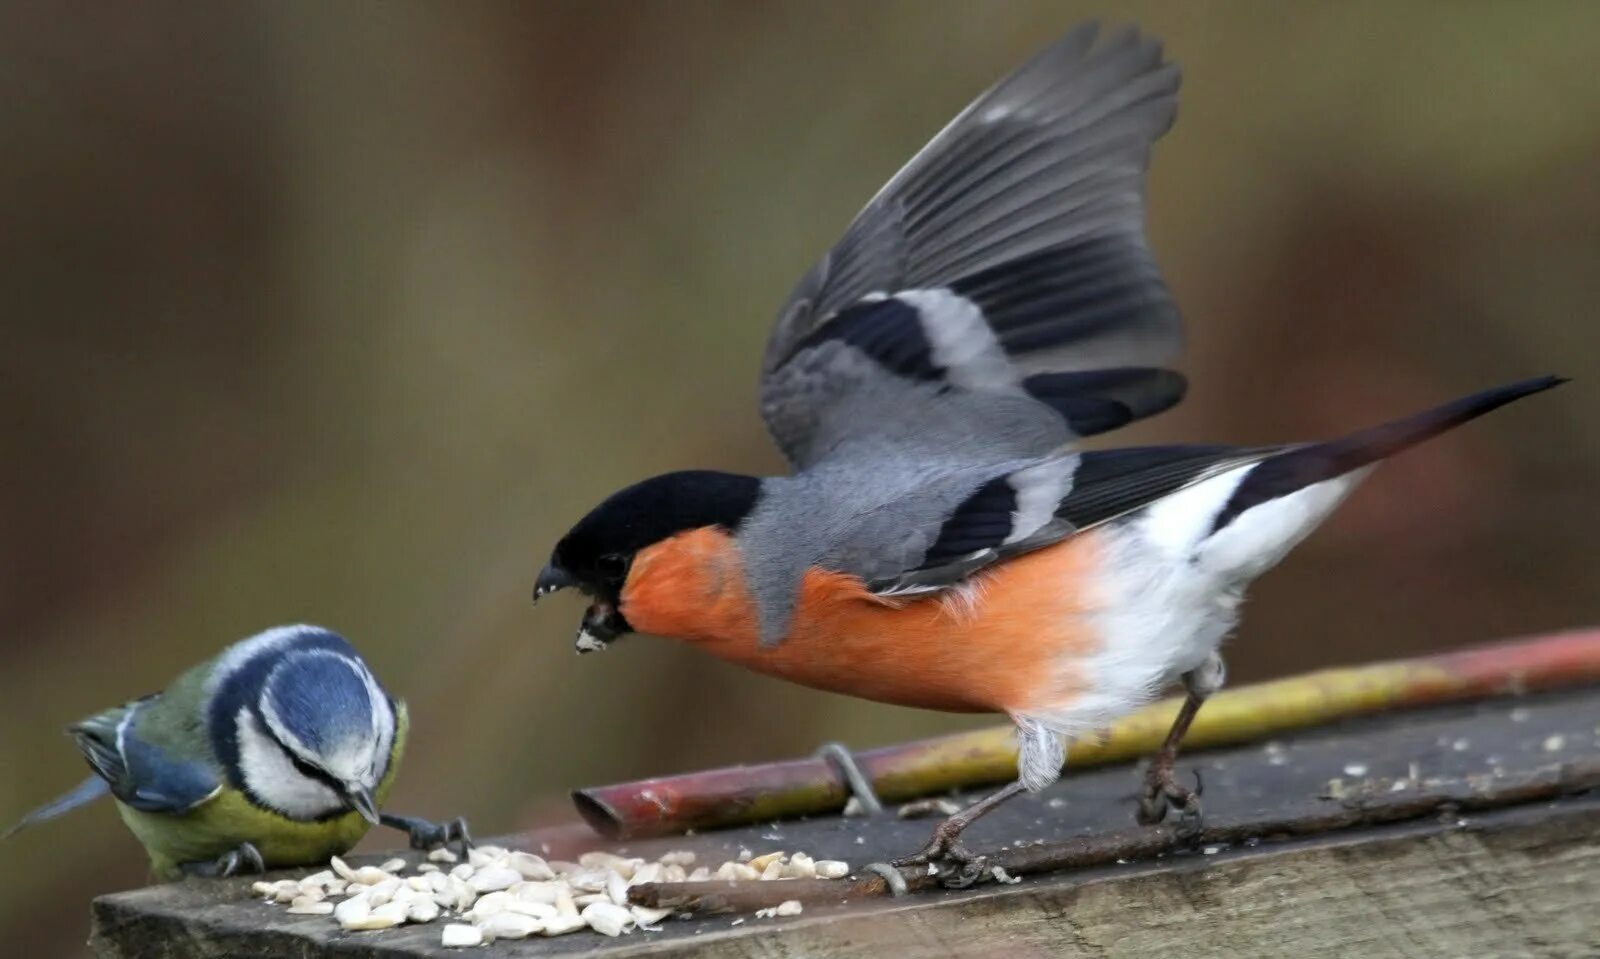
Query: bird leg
pixel 1039 761
pixel 241 859
pixel 946 847
pixel 427 834
pixel 1161 787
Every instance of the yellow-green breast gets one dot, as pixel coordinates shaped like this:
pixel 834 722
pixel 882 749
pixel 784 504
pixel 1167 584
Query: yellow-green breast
pixel 229 818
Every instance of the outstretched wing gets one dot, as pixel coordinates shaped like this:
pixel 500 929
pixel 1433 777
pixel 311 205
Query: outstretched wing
pixel 143 774
pixel 1000 282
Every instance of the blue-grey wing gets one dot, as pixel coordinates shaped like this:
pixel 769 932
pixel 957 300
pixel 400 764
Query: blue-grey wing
pixel 1001 280
pixel 141 773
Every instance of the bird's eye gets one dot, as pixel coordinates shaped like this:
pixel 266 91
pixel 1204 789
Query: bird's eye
pixel 613 566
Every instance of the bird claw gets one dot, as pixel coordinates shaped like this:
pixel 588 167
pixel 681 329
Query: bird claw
pixel 1162 792
pixel 957 866
pixel 432 835
pixel 946 856
pixel 245 858
pixel 426 834
pixel 241 859
pixel 972 872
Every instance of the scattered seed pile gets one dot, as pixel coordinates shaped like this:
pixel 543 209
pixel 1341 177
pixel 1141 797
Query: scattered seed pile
pixel 501 894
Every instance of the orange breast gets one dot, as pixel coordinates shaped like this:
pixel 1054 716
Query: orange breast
pixel 1005 643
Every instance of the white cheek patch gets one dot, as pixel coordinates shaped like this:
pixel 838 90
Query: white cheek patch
pixel 272 777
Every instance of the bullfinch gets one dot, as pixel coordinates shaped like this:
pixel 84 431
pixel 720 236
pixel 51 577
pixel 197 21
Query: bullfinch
pixel 942 541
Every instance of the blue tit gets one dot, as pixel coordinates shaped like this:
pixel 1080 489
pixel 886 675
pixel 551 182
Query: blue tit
pixel 279 751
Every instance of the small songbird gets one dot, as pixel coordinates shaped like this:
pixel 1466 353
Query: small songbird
pixel 942 542
pixel 277 752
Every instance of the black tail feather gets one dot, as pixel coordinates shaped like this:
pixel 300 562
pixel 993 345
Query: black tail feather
pixel 1302 466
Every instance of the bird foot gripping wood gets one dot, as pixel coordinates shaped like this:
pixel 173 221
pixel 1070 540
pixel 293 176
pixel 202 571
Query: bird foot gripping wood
pixel 427 834
pixel 957 866
pixel 245 858
pixel 1162 792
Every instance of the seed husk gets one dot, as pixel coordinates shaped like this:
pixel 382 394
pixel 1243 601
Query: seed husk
pixel 561 925
pixel 645 916
pixel 545 892
pixel 459 934
pixel 487 906
pixel 352 910
pixel 509 925
pixel 530 866
pixel 617 888
pixel 760 863
pixel 607 919
pixel 494 878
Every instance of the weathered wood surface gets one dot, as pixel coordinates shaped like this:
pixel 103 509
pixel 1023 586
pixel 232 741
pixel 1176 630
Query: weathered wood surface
pixel 1451 832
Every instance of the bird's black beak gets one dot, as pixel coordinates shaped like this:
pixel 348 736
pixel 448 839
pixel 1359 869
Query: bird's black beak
pixel 360 799
pixel 552 578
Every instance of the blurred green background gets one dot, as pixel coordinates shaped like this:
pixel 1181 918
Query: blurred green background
pixel 342 313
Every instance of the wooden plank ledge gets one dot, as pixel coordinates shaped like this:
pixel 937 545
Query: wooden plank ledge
pixel 1467 830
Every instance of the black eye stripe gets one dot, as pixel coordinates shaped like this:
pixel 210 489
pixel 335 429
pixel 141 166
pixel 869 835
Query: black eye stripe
pixel 304 768
pixel 312 772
